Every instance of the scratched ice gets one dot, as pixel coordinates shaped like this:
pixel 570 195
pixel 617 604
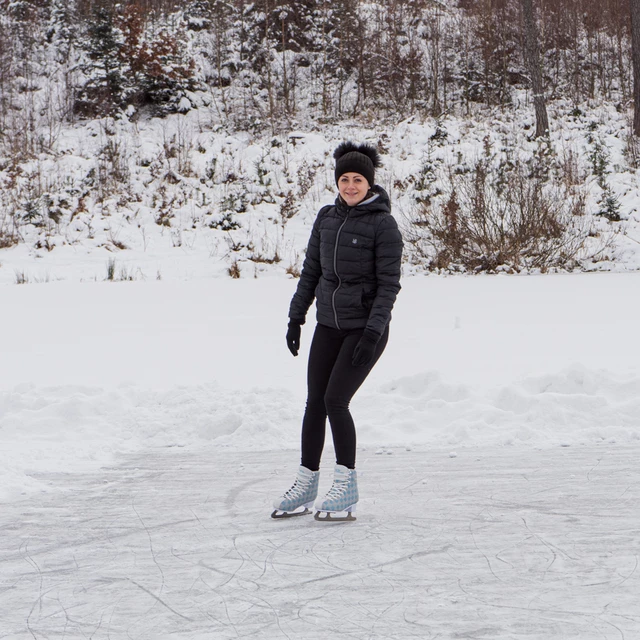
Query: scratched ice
pixel 494 543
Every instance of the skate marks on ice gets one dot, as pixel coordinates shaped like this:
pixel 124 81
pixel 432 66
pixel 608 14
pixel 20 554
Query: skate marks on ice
pixel 496 544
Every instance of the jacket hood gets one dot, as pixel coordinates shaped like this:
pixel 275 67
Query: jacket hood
pixel 379 202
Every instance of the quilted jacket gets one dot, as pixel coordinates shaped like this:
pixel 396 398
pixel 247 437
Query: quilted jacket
pixel 352 266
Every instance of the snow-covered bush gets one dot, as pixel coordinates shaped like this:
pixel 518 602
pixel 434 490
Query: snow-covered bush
pixel 509 220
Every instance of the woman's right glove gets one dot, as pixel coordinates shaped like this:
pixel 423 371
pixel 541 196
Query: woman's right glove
pixel 365 349
pixel 293 337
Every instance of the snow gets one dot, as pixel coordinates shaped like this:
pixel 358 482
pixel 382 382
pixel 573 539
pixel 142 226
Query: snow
pixel 94 370
pixel 157 192
pixel 147 423
pixel 146 426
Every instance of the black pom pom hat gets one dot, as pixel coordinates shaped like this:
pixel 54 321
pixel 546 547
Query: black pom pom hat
pixel 357 158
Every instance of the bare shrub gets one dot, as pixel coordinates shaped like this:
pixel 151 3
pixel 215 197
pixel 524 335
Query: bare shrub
pixel 111 270
pixel 234 270
pixel 569 168
pixel 22 277
pixel 265 259
pixel 7 240
pixel 112 163
pixel 8 237
pixel 519 222
pixel 293 270
pixel 306 176
pixel 178 148
pixel 125 274
pixel 295 266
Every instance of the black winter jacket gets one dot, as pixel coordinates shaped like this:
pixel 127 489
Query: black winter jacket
pixel 352 266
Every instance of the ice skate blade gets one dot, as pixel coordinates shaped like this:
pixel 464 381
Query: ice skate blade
pixel 334 516
pixel 278 514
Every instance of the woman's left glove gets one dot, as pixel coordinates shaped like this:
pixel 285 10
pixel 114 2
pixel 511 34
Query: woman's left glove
pixel 293 337
pixel 365 349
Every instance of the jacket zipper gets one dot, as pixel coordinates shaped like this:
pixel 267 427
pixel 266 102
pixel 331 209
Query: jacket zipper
pixel 335 270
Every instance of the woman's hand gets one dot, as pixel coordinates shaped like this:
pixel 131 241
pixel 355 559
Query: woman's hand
pixel 293 337
pixel 365 349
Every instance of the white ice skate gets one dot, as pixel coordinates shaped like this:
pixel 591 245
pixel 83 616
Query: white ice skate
pixel 339 504
pixel 298 500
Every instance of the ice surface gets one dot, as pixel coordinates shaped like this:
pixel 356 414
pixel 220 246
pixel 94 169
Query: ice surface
pixel 496 544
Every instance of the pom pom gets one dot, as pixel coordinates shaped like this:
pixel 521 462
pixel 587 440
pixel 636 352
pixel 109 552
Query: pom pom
pixel 368 150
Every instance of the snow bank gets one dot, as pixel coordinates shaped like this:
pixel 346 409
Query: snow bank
pixel 75 428
pixel 573 406
pixel 94 370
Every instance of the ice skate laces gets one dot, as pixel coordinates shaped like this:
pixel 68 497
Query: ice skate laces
pixel 297 490
pixel 338 489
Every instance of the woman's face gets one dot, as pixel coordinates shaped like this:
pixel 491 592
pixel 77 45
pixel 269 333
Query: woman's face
pixel 353 188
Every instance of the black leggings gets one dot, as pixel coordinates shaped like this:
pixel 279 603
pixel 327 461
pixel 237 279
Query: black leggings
pixel 331 382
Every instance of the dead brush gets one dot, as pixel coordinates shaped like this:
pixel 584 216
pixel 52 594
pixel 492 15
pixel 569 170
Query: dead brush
pixel 525 223
pixel 7 238
pixel 261 258
pixel 234 270
pixel 293 270
pixel 8 233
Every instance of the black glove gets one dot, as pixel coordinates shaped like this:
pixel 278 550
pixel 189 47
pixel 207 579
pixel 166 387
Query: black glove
pixel 293 337
pixel 365 349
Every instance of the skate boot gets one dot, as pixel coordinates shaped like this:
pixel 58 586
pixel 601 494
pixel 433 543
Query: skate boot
pixel 298 500
pixel 339 504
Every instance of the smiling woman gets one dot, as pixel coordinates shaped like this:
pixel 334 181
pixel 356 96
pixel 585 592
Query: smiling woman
pixel 353 188
pixel 352 270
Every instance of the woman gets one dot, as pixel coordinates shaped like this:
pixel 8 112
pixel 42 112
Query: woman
pixel 352 269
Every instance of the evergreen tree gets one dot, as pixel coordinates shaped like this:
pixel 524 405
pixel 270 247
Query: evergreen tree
pixel 132 63
pixel 219 19
pixel 62 29
pixel 102 91
pixel 6 74
pixel 292 26
pixel 495 37
pixel 25 16
pixel 200 14
pixel 156 65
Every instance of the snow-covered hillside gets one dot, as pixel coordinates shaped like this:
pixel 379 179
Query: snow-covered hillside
pixel 197 203
pixel 149 143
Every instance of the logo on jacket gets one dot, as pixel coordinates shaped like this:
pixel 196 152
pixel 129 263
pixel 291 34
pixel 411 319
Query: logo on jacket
pixel 354 241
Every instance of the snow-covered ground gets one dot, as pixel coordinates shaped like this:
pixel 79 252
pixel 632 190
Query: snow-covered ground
pixel 97 369
pixel 146 426
pixel 150 411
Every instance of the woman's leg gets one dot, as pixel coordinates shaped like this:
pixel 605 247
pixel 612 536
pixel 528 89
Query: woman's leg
pixel 323 352
pixel 344 381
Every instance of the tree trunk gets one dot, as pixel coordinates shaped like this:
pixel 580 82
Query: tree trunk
pixel 635 47
pixel 532 61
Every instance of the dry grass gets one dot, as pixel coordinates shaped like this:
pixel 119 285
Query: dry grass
pixel 234 270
